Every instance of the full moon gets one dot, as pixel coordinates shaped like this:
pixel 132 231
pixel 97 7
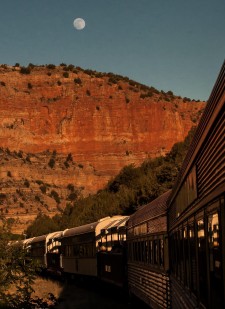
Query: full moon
pixel 79 23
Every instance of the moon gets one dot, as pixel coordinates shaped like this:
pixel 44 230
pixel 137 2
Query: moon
pixel 79 23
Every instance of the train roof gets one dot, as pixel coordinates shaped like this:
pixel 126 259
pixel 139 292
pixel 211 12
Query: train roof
pixel 116 224
pixel 153 210
pixel 94 227
pixel 38 239
pixel 27 241
pixel 54 235
pixel 83 229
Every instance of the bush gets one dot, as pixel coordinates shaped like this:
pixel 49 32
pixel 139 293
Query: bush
pixel 69 157
pixel 31 65
pixel 66 74
pixel 113 80
pixel 43 189
pixel 72 196
pixel 70 187
pixel 15 273
pixel 55 195
pixel 25 70
pixel 37 198
pixel 28 159
pixel 185 99
pixel 77 81
pixel 66 69
pixel 39 182
pixel 88 93
pixel 51 66
pixel 51 163
pixel 70 67
pixel 26 183
pixel 66 164
pixel 29 86
pixel 170 92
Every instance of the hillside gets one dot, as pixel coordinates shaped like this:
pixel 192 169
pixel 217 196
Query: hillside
pixel 68 130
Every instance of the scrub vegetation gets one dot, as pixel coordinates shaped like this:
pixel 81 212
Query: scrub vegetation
pixel 18 275
pixel 130 189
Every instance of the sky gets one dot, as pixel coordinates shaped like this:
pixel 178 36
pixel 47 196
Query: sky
pixel 176 45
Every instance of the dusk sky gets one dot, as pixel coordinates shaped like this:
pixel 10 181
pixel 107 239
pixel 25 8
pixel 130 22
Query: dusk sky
pixel 176 45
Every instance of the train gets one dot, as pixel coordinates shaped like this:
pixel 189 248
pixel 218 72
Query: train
pixel 171 252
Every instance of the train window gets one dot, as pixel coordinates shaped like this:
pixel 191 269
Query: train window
pixel 142 251
pixel 76 250
pixel 138 251
pixel 135 251
pixel 186 257
pixel 155 250
pixel 192 256
pixel 141 248
pixel 130 252
pixel 181 255
pixel 146 252
pixel 69 250
pixel 177 248
pixel 150 250
pixel 63 250
pixel 173 253
pixel 202 264
pixel 215 261
pixel 81 250
pixel 161 252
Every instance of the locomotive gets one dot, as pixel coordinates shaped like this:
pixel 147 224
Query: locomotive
pixel 171 252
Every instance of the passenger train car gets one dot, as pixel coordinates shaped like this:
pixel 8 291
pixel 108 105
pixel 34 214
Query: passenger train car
pixel 53 252
pixel 171 252
pixel 37 249
pixel 112 259
pixel 79 246
pixel 148 259
pixel 196 213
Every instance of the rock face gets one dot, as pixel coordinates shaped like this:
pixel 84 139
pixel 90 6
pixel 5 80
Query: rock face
pixel 103 121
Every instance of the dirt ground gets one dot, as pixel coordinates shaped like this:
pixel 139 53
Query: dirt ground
pixel 83 295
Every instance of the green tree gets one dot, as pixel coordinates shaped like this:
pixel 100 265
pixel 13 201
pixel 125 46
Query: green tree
pixel 41 225
pixel 18 276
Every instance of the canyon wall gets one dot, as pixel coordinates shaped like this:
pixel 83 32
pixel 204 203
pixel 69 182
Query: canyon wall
pixel 102 121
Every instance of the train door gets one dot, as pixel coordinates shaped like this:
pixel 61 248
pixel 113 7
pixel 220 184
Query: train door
pixel 215 257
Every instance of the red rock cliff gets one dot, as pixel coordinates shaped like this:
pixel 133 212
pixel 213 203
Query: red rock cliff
pixel 104 121
pixel 106 125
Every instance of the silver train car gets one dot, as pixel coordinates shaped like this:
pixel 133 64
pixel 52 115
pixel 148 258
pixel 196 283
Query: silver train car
pixel 112 259
pixel 148 259
pixel 196 208
pixel 80 245
pixel 53 253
